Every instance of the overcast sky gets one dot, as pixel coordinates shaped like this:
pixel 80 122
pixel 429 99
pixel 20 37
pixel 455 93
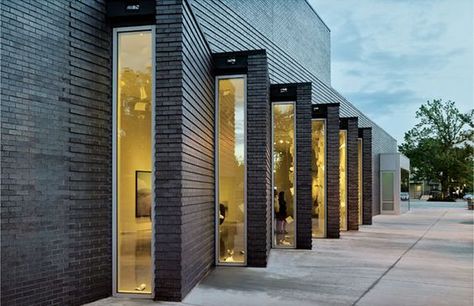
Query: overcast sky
pixel 390 56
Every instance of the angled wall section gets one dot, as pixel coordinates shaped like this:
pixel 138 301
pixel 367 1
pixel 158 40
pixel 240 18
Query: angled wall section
pixel 303 166
pixel 366 135
pixel 184 161
pixel 332 172
pixel 56 153
pixel 352 175
pixel 259 195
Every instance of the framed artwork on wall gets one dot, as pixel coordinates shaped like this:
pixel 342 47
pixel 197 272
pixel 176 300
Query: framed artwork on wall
pixel 143 195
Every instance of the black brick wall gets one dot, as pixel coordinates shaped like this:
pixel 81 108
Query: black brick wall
pixel 303 166
pixel 168 150
pixel 56 153
pixel 184 161
pixel 352 174
pixel 198 209
pixel 259 195
pixel 332 172
pixel 367 175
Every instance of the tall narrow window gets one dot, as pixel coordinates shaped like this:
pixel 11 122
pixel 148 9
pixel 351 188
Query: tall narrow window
pixel 231 168
pixel 318 169
pixel 343 179
pixel 133 168
pixel 388 192
pixel 284 179
pixel 359 166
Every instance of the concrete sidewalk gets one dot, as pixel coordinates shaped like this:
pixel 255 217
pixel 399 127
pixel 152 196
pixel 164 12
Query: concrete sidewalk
pixel 424 257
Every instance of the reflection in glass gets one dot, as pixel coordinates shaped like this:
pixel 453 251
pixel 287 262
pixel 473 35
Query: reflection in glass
pixel 404 180
pixel 284 175
pixel 388 190
pixel 359 171
pixel 134 163
pixel 343 179
pixel 318 165
pixel 231 170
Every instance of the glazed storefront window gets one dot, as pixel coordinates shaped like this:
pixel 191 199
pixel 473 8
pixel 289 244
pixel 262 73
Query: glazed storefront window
pixel 318 169
pixel 388 192
pixel 284 204
pixel 343 179
pixel 133 160
pixel 231 166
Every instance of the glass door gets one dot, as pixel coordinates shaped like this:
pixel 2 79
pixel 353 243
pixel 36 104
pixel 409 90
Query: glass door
pixel 284 178
pixel 133 103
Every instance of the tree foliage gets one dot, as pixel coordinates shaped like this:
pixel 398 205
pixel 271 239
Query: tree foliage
pixel 440 146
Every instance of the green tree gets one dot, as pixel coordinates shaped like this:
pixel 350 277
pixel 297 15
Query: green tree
pixel 440 146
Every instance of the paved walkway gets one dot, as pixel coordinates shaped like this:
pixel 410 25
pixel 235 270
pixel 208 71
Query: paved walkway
pixel 424 257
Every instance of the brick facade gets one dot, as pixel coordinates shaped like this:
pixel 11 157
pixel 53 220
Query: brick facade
pixel 366 135
pixel 184 153
pixel 259 194
pixel 332 171
pixel 352 174
pixel 56 153
pixel 303 166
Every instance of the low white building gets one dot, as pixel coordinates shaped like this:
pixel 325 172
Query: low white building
pixel 394 174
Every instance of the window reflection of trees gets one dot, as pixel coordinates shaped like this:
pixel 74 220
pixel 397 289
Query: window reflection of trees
pixel 231 167
pixel 135 89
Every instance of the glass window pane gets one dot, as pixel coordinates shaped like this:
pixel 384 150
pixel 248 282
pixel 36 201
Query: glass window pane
pixel 318 168
pixel 134 162
pixel 231 168
pixel 343 179
pixel 387 190
pixel 405 180
pixel 284 174
pixel 359 166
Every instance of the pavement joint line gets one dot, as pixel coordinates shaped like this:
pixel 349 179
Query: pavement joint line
pixel 428 283
pixel 399 258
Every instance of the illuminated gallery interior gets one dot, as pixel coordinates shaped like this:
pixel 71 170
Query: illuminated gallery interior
pixel 284 175
pixel 231 162
pixel 133 160
pixel 343 179
pixel 174 137
pixel 318 190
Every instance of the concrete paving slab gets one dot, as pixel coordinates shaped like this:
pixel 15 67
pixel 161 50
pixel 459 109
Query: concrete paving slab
pixel 424 257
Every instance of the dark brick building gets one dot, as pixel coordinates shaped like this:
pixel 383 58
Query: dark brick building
pixel 144 142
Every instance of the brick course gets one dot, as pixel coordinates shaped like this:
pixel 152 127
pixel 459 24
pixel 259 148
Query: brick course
pixel 259 195
pixel 332 172
pixel 367 175
pixel 303 166
pixel 56 153
pixel 352 175
pixel 184 153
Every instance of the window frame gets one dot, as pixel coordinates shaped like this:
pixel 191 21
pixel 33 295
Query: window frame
pixel 115 50
pixel 216 170
pixel 324 120
pixel 295 217
pixel 360 178
pixel 346 227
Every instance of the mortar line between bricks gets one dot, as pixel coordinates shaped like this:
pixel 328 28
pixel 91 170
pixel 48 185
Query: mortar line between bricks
pixel 399 258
